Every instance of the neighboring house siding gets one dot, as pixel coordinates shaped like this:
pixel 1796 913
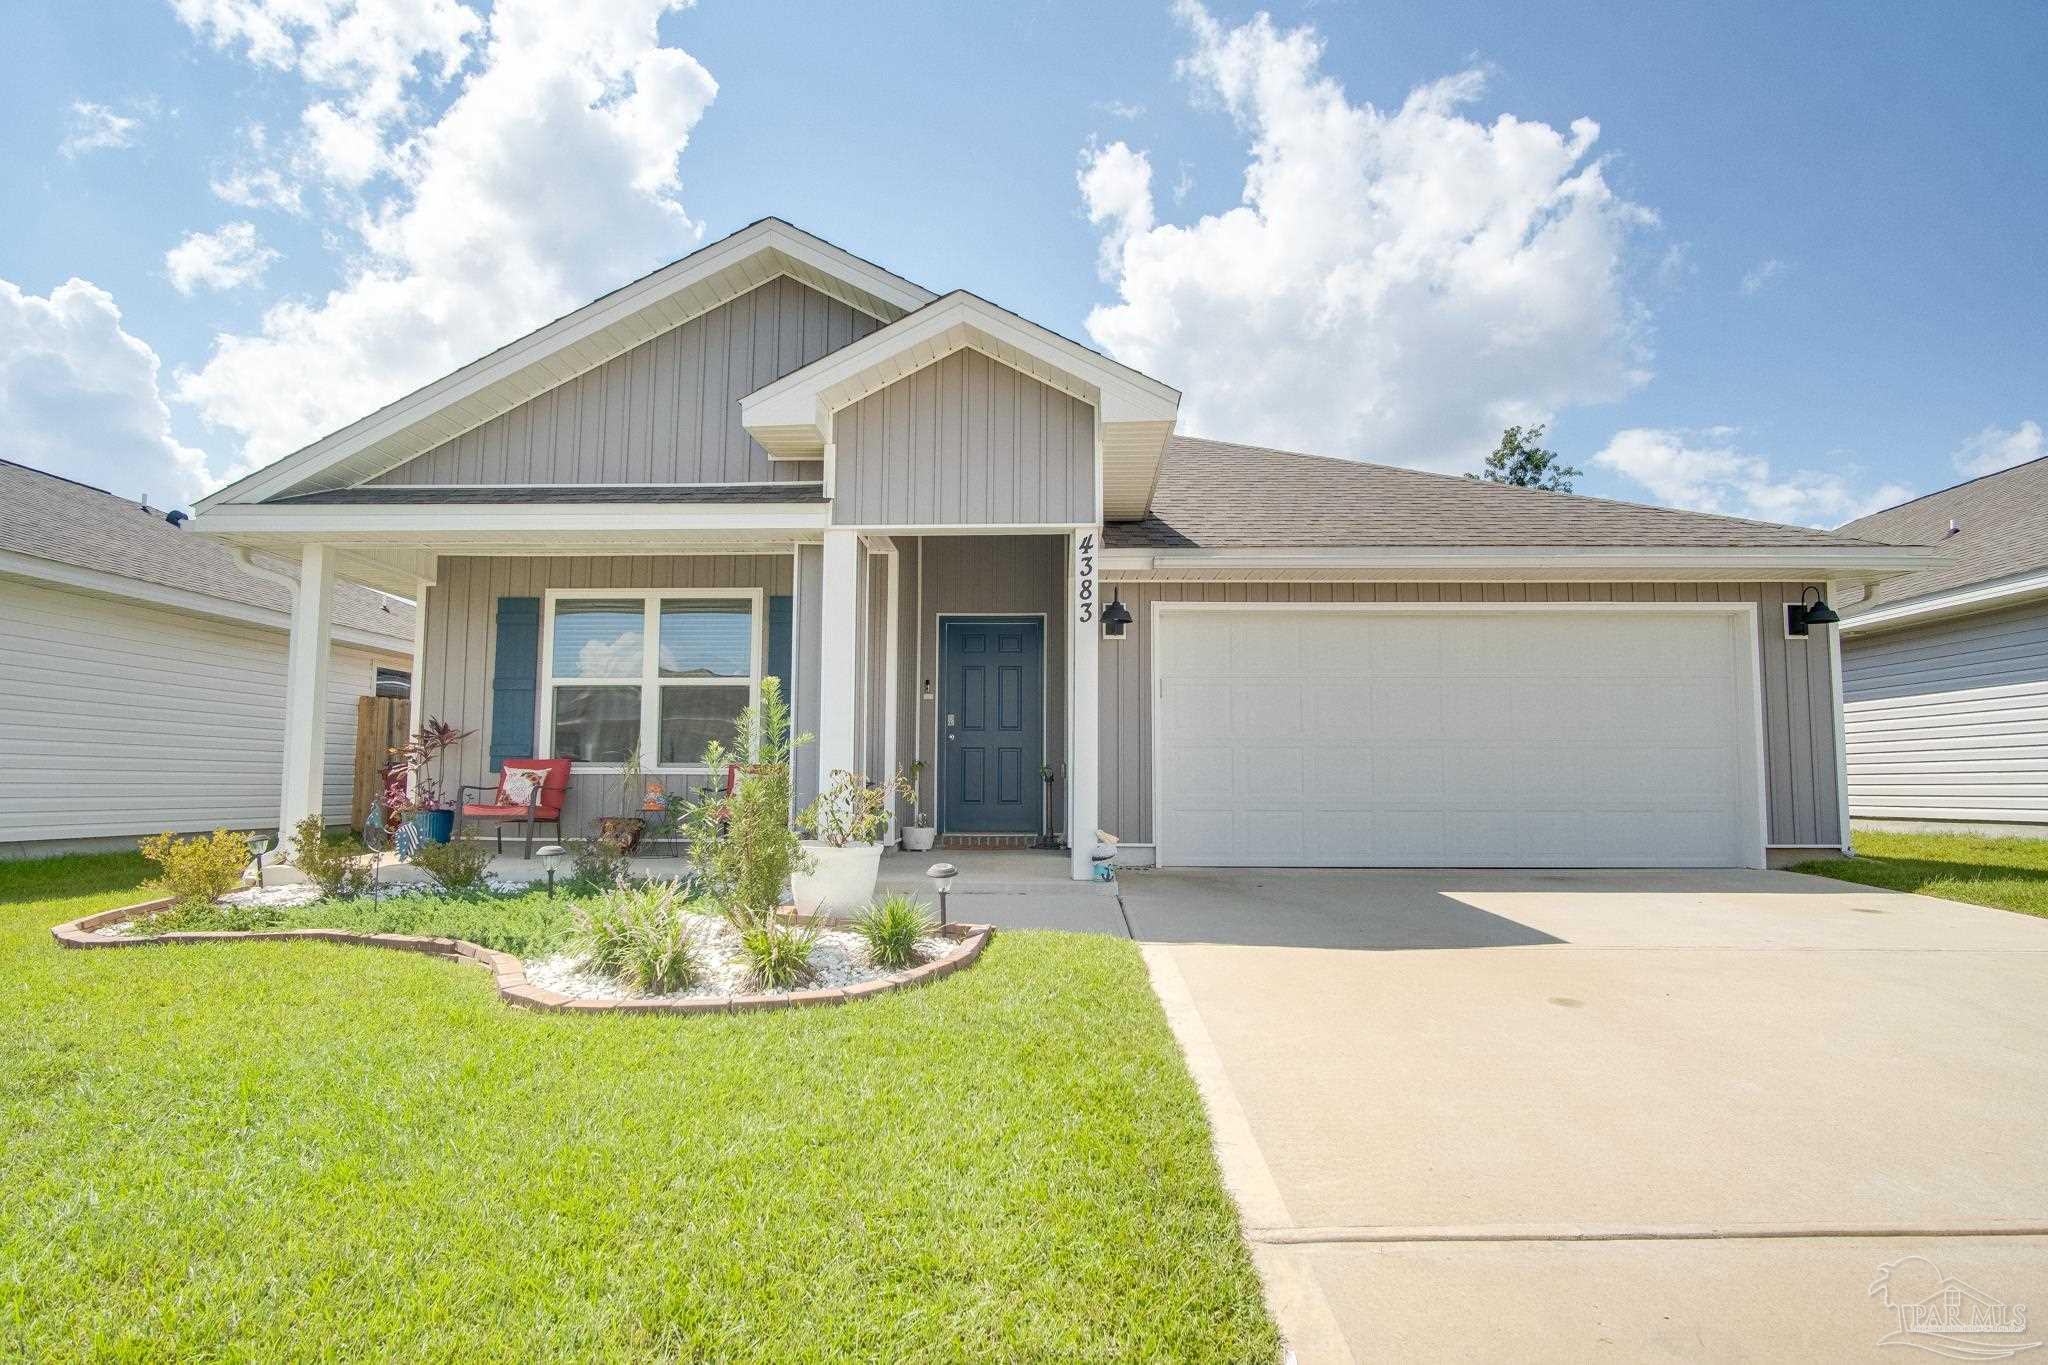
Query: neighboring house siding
pixel 667 411
pixel 455 675
pixel 1949 721
pixel 965 441
pixel 124 719
pixel 1798 690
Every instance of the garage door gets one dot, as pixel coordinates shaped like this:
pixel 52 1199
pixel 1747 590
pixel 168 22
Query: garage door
pixel 1511 737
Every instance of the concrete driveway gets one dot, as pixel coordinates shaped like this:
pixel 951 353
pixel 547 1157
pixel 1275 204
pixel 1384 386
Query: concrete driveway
pixel 1669 1115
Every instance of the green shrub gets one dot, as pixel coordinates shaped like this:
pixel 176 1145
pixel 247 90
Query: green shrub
pixel 195 916
pixel 742 849
pixel 778 953
pixel 202 868
pixel 455 866
pixel 640 936
pixel 334 868
pixel 891 928
pixel 597 864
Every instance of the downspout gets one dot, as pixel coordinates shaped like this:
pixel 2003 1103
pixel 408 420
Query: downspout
pixel 246 558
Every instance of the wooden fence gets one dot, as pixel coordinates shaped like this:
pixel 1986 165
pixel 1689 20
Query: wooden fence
pixel 382 724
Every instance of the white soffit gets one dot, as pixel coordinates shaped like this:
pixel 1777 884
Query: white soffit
pixel 792 417
pixel 573 344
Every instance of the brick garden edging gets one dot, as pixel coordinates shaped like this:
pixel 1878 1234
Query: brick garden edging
pixel 510 975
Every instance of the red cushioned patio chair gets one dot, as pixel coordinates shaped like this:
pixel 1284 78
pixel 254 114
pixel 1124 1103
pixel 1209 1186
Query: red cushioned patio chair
pixel 545 807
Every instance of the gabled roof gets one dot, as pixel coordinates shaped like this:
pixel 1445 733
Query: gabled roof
pixel 1214 495
pixel 50 525
pixel 2001 533
pixel 574 343
pixel 792 417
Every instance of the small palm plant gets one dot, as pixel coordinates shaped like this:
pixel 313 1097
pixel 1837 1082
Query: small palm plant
pixel 892 928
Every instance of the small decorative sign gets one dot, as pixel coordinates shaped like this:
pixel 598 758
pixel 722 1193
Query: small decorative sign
pixel 1084 577
pixel 657 796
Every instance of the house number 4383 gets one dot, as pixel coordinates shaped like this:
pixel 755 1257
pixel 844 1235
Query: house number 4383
pixel 1084 578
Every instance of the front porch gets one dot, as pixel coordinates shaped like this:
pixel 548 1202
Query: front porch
pixel 950 656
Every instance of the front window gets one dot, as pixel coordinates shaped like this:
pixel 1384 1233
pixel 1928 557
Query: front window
pixel 659 673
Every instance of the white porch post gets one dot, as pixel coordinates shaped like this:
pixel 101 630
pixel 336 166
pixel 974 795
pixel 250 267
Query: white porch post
pixel 1084 636
pixel 838 647
pixel 305 689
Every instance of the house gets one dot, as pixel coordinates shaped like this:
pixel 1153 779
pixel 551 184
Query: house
pixel 928 515
pixel 1945 670
pixel 145 672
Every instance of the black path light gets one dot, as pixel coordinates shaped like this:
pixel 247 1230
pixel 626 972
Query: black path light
pixel 942 875
pixel 550 857
pixel 1801 615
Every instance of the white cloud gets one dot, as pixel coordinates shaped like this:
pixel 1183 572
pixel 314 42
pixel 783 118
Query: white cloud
pixel 366 51
pixel 1704 471
pixel 550 177
pixel 224 259
pixel 92 127
pixel 1397 285
pixel 1123 109
pixel 1993 449
pixel 1762 274
pixel 78 396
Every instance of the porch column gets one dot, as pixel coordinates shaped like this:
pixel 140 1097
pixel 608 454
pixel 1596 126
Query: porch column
pixel 1084 636
pixel 305 689
pixel 838 657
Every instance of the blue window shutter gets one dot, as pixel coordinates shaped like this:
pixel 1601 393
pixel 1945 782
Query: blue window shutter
pixel 516 683
pixel 781 646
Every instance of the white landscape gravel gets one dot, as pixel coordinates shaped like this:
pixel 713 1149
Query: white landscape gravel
pixel 839 959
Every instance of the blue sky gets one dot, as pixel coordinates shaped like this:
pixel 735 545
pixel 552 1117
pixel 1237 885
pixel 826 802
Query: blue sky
pixel 1795 273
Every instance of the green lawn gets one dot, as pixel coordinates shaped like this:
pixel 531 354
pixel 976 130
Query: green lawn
pixel 2009 874
pixel 266 1150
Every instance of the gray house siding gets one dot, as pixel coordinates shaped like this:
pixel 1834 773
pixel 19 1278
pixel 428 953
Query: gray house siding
pixel 667 411
pixel 1949 721
pixel 964 441
pixel 455 681
pixel 977 576
pixel 1798 698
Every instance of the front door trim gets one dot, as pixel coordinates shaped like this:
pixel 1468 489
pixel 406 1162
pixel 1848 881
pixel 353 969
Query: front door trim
pixel 940 620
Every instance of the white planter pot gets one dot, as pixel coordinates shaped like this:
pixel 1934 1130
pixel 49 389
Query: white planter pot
pixel 919 838
pixel 840 883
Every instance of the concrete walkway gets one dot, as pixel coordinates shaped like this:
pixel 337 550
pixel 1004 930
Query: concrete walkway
pixel 1685 1115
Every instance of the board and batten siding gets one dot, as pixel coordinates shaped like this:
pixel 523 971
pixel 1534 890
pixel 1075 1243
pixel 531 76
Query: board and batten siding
pixel 1949 720
pixel 461 643
pixel 965 441
pixel 667 411
pixel 1797 687
pixel 126 719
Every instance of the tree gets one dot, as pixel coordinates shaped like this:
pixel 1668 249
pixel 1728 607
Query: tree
pixel 1520 460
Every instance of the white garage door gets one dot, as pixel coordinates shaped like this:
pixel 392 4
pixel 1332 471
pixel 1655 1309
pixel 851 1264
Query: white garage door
pixel 1512 737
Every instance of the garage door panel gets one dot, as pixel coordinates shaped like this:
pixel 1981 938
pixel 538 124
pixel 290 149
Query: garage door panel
pixel 1530 738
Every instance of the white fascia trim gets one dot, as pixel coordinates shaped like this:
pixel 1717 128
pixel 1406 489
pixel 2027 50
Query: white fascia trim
pixel 1976 597
pixel 48 572
pixel 341 520
pixel 564 332
pixel 1882 560
pixel 792 417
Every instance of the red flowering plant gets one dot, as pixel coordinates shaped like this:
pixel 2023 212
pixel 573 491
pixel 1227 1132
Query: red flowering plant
pixel 409 786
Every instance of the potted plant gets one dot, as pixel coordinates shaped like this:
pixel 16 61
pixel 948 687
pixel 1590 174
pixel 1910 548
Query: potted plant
pixel 918 835
pixel 412 792
pixel 623 831
pixel 846 855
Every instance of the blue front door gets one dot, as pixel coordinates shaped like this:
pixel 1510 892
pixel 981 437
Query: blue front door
pixel 991 725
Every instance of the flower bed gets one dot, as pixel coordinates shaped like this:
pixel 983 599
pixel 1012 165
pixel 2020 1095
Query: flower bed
pixel 557 983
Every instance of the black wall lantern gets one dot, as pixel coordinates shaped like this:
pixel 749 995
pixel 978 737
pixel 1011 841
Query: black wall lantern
pixel 1801 615
pixel 1116 619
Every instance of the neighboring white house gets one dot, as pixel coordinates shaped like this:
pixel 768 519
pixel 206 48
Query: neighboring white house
pixel 923 513
pixel 1945 671
pixel 144 672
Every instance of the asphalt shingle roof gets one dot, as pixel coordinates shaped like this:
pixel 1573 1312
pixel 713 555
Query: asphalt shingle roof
pixel 1216 495
pixel 2001 529
pixel 49 517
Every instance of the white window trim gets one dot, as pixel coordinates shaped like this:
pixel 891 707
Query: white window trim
pixel 650 681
